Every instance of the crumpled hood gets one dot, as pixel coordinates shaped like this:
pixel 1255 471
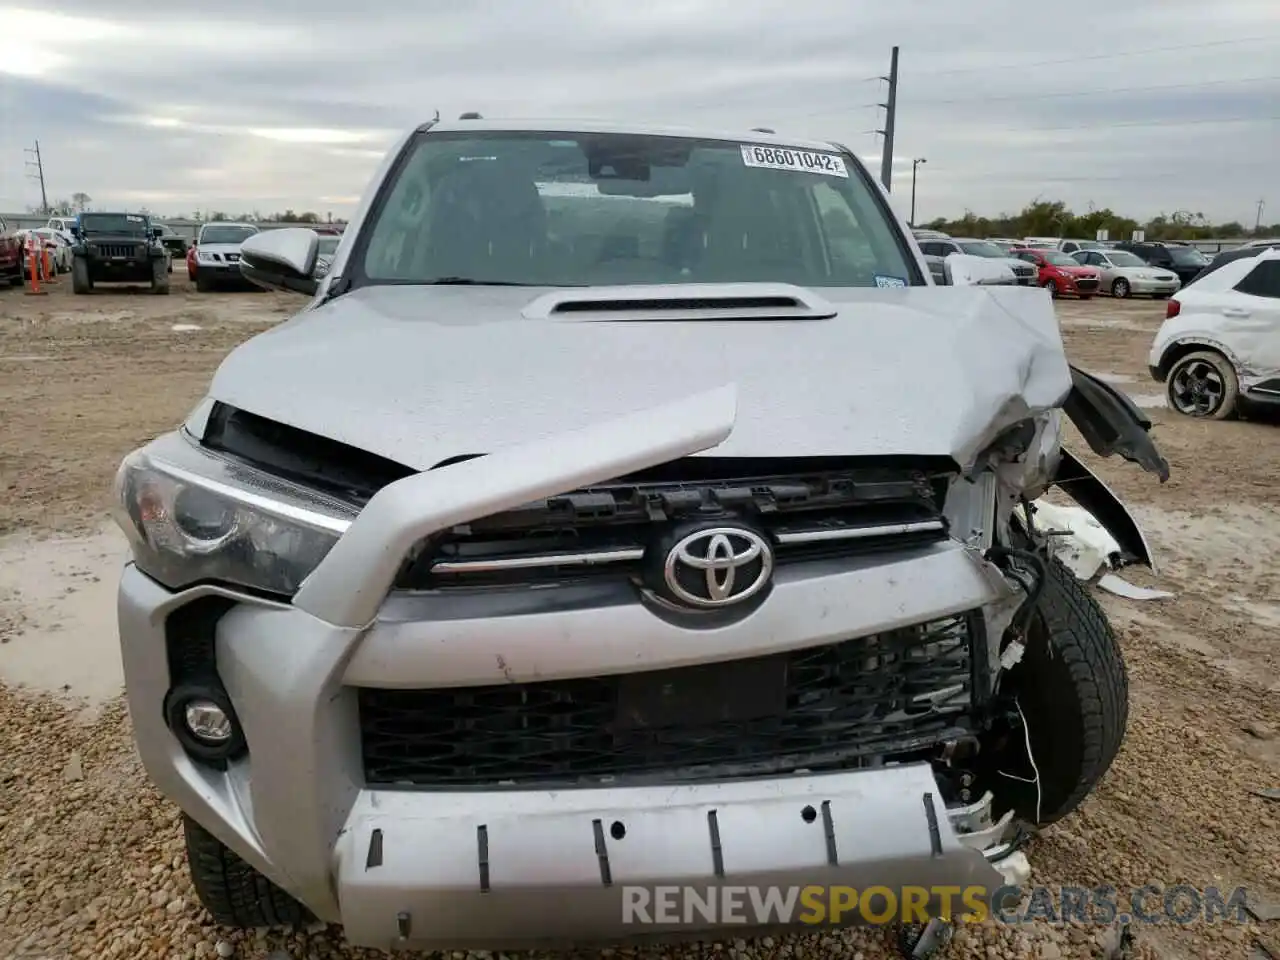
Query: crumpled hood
pixel 423 374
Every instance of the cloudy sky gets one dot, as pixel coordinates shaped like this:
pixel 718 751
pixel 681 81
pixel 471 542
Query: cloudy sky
pixel 1144 106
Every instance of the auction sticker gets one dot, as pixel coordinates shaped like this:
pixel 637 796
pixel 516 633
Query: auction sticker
pixel 785 158
pixel 890 283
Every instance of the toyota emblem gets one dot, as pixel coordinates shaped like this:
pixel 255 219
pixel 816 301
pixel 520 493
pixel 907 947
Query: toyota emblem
pixel 718 567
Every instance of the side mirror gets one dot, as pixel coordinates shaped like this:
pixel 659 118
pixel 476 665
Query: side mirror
pixel 964 270
pixel 283 259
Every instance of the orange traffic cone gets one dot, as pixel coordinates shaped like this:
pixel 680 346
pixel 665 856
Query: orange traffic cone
pixel 33 269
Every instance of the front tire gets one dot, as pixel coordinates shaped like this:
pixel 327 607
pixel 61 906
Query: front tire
pixel 235 894
pixel 203 283
pixel 1073 689
pixel 1203 385
pixel 1052 287
pixel 80 282
pixel 1121 288
pixel 159 278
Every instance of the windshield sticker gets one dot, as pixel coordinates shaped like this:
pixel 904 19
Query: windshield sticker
pixel 803 161
pixel 890 283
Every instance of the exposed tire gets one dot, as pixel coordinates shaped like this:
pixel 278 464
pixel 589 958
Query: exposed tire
pixel 1120 288
pixel 80 282
pixel 1073 690
pixel 235 894
pixel 203 283
pixel 1203 385
pixel 159 278
pixel 17 281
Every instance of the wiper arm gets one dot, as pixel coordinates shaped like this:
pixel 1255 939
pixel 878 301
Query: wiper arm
pixel 471 282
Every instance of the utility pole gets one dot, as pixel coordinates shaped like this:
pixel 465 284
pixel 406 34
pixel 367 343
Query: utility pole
pixel 1257 221
pixel 38 164
pixel 890 116
pixel 914 164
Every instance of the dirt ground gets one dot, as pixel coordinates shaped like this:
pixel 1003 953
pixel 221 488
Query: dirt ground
pixel 91 858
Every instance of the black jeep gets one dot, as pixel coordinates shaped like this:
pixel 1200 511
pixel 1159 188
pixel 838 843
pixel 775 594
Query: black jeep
pixel 118 248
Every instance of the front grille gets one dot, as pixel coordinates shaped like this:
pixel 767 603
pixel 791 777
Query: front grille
pixel 1089 283
pixel 233 257
pixel 809 509
pixel 117 250
pixel 824 708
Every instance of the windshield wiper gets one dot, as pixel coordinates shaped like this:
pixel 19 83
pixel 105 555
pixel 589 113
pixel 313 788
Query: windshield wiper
pixel 471 282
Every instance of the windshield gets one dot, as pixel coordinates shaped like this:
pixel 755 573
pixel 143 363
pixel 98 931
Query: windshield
pixel 125 223
pixel 222 233
pixel 1188 257
pixel 572 209
pixel 1060 259
pixel 982 248
pixel 1123 258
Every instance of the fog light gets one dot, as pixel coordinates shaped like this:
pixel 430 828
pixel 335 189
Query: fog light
pixel 207 722
pixel 204 721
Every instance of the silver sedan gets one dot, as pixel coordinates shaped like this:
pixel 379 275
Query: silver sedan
pixel 1125 274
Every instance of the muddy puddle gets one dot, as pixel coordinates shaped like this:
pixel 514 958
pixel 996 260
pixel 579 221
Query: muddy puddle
pixel 58 616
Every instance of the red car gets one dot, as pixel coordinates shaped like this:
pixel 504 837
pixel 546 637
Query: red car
pixel 11 254
pixel 1061 273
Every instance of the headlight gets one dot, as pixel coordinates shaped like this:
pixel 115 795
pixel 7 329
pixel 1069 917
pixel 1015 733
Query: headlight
pixel 193 516
pixel 204 257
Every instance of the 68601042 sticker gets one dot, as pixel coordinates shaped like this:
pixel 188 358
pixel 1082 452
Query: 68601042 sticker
pixel 787 158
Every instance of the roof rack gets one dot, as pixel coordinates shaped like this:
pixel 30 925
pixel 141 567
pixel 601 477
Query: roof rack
pixel 470 115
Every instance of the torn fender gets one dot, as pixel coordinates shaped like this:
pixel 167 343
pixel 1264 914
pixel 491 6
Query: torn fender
pixel 1085 487
pixel 1112 423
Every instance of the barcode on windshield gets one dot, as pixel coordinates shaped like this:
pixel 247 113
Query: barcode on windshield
pixel 803 161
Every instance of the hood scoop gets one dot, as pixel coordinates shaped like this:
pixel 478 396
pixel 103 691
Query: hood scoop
pixel 683 302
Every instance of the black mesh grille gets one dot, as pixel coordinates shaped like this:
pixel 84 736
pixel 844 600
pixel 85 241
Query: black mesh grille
pixel 119 250
pixel 823 708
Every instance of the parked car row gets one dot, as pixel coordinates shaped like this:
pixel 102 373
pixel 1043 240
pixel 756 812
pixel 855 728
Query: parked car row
pixel 1080 268
pixel 122 248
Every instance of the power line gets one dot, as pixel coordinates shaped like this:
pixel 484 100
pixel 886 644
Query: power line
pixel 1095 57
pixel 1091 93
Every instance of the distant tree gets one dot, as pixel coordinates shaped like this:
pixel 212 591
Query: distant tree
pixel 218 215
pixel 81 201
pixel 1053 218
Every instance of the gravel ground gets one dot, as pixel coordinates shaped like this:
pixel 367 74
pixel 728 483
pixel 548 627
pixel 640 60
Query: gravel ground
pixel 91 861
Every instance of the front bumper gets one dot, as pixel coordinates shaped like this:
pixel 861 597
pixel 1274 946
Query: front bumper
pixel 467 868
pixel 219 268
pixel 1148 287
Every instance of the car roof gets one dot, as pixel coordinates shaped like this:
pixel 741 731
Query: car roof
pixel 604 126
pixel 227 223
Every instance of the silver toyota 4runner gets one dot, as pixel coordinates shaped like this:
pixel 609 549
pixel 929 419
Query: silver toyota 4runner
pixel 628 506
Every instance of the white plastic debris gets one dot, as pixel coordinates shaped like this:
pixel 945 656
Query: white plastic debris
pixel 1131 591
pixel 1085 547
pixel 184 327
pixel 1015 869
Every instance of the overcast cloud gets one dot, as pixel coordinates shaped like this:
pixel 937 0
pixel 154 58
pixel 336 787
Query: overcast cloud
pixel 1147 106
